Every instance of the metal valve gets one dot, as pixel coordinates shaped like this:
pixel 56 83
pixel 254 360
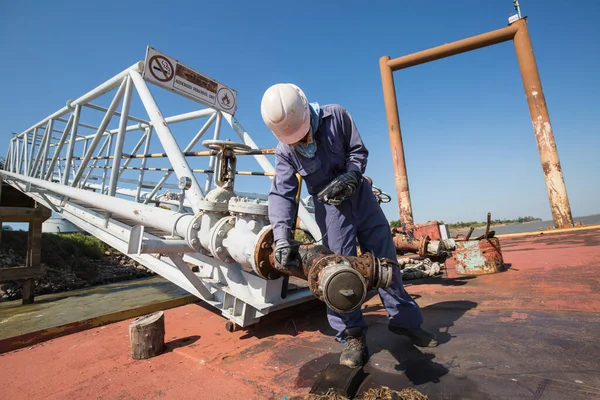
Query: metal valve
pixel 185 183
pixel 226 160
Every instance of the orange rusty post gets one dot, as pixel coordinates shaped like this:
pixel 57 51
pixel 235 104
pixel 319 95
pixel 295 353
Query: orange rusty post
pixel 454 48
pixel 518 32
pixel 391 109
pixel 555 184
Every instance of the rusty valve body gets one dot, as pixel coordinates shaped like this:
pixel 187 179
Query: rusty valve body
pixel 424 247
pixel 342 282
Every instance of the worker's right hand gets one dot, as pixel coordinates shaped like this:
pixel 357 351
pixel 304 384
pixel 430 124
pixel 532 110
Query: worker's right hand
pixel 340 188
pixel 286 255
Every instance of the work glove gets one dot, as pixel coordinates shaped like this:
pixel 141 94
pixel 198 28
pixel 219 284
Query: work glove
pixel 286 255
pixel 340 188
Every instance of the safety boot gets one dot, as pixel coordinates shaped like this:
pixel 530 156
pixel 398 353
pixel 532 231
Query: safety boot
pixel 418 336
pixel 356 351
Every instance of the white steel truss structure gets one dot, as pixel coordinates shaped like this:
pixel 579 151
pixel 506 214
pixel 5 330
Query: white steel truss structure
pixel 80 168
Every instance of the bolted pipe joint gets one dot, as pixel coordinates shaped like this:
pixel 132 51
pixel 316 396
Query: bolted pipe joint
pixel 343 282
pixel 340 281
pixel 251 220
pixel 214 210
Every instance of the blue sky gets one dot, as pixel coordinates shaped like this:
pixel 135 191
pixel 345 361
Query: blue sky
pixel 467 132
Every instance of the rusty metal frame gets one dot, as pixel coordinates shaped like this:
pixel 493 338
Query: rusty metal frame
pixel 518 32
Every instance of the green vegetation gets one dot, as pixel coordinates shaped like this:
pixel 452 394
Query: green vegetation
pixel 495 222
pixel 477 224
pixel 56 249
pixel 71 261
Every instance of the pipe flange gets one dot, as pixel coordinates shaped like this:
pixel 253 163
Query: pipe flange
pixel 214 206
pixel 315 272
pixel 193 232
pixel 218 234
pixel 385 273
pixel 262 264
pixel 243 206
pixel 423 246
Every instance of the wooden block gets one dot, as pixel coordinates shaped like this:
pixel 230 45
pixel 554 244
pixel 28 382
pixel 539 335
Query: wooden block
pixel 147 336
pixel 20 273
pixel 24 214
pixel 27 291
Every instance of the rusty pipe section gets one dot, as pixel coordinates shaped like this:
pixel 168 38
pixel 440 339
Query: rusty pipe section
pixel 342 282
pixel 454 48
pixel 396 145
pixel 544 136
pixel 387 67
pixel 424 247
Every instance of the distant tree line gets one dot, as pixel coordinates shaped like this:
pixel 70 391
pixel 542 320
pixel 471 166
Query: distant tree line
pixel 476 224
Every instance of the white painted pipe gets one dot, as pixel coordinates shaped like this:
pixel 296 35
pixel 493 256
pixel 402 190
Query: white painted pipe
pixel 142 214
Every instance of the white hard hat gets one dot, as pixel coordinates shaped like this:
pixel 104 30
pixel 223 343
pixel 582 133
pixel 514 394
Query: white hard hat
pixel 284 108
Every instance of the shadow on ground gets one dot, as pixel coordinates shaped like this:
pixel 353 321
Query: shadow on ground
pixel 181 342
pixel 440 280
pixel 307 317
pixel 394 362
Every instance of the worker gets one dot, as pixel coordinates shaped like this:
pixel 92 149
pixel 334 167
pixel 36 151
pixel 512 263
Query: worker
pixel 323 145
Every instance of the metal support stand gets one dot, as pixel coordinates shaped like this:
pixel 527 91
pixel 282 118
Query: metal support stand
pixel 200 241
pixel 519 33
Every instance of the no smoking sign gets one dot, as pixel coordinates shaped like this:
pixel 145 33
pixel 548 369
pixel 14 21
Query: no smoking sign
pixel 168 73
pixel 161 68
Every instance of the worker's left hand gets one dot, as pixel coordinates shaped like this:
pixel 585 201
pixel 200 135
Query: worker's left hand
pixel 340 188
pixel 286 255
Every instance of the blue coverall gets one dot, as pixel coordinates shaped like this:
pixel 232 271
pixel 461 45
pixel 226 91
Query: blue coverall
pixel 340 149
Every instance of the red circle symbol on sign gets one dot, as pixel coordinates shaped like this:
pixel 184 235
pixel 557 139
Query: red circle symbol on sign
pixel 161 68
pixel 225 98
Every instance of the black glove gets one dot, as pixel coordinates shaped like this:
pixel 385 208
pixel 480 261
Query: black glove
pixel 340 188
pixel 286 255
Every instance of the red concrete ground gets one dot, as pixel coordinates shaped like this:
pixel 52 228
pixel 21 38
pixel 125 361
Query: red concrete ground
pixel 528 333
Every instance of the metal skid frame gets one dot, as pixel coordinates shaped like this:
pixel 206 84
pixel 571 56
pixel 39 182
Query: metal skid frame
pixel 79 175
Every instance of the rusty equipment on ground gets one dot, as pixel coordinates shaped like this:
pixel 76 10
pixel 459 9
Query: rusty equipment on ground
pixel 479 256
pixel 424 246
pixel 424 257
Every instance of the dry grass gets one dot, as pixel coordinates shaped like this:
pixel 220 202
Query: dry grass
pixel 383 393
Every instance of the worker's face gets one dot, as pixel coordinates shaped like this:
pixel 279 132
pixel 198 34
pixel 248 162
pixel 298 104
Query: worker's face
pixel 304 139
pixel 301 141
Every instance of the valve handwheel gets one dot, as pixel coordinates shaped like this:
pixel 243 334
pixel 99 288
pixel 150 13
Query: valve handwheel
pixel 218 145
